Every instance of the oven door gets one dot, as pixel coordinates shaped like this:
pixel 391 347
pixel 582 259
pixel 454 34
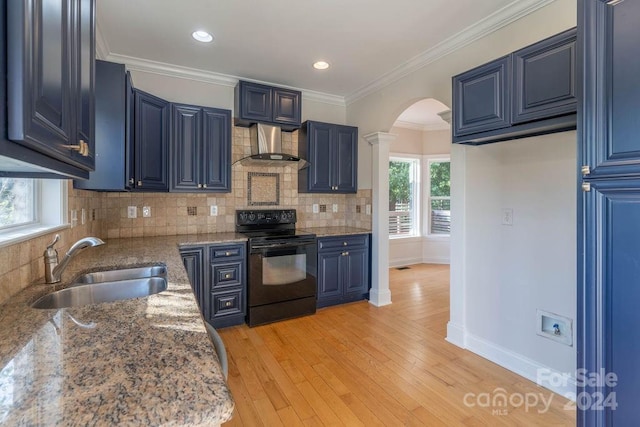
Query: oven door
pixel 282 272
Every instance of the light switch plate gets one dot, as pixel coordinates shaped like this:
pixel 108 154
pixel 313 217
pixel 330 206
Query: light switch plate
pixel 213 210
pixel 316 208
pixel 146 211
pixel 83 216
pixel 132 212
pixel 367 209
pixel 74 218
pixel 507 216
pixel 335 207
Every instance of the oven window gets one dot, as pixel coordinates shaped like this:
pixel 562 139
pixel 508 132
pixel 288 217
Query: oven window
pixel 285 269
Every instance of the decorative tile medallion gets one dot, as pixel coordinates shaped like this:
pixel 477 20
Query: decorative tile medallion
pixel 263 189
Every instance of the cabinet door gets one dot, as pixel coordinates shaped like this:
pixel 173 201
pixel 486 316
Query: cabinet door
pixel 39 75
pixel 130 134
pixel 255 102
pixel 345 172
pixel 287 107
pixel 545 79
pixel 330 275
pixel 480 98
pixel 608 339
pixel 216 149
pixel 186 142
pixel 193 260
pixel 356 264
pixel 610 126
pixel 152 142
pixel 84 79
pixel 320 152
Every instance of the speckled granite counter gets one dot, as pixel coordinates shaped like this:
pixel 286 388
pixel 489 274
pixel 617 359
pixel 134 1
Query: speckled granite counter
pixel 335 231
pixel 147 361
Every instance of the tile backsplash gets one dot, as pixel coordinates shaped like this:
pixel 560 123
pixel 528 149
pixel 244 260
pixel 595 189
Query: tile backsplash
pixel 188 213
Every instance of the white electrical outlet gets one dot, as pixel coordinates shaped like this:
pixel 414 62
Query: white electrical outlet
pixel 507 216
pixel 74 218
pixel 83 216
pixel 146 211
pixel 213 210
pixel 367 209
pixel 316 208
pixel 132 212
pixel 335 207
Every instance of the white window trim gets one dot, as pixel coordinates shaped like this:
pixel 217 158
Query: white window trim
pixel 50 193
pixel 418 218
pixel 427 159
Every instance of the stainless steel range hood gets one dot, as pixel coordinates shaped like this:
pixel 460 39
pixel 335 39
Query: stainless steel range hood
pixel 266 149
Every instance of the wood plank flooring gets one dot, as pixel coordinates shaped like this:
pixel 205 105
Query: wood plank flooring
pixel 360 365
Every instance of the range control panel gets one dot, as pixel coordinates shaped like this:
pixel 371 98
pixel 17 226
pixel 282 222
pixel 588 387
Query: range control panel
pixel 264 217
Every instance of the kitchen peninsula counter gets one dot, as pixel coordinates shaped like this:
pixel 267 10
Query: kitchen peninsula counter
pixel 144 361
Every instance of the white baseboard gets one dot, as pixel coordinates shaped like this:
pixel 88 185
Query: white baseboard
pixel 517 363
pixel 401 262
pixel 455 334
pixel 404 261
pixel 436 260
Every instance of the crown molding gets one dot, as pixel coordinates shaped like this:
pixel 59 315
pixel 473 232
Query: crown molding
pixel 499 19
pixel 420 126
pixel 178 71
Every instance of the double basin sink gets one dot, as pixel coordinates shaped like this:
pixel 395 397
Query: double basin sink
pixel 108 286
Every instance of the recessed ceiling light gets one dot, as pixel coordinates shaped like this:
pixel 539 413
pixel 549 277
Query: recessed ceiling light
pixel 202 36
pixel 321 65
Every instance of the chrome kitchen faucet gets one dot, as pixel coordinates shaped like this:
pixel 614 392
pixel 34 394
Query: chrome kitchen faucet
pixel 53 270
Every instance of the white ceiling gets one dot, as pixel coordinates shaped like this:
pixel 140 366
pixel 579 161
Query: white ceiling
pixel 277 41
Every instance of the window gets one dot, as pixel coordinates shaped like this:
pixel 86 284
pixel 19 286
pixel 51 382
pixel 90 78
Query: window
pixel 404 190
pixel 439 198
pixel 22 207
pixel 17 202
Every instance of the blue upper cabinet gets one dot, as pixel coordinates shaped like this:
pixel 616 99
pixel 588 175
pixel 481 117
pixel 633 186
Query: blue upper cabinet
pixel 266 104
pixel 545 78
pixel 332 151
pixel 50 73
pixel 529 92
pixel 611 91
pixel 151 142
pixel 481 101
pixel 114 99
pixel 201 149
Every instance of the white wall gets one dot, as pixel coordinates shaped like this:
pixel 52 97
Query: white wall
pixel 499 275
pixel 423 249
pixel 189 91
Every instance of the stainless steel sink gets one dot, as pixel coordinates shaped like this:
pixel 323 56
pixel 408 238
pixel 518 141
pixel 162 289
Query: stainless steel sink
pixel 108 286
pixel 123 274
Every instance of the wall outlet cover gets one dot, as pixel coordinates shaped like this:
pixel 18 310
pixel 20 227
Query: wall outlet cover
pixel 507 216
pixel 132 212
pixel 367 209
pixel 335 207
pixel 213 210
pixel 146 211
pixel 74 217
pixel 83 216
pixel 316 208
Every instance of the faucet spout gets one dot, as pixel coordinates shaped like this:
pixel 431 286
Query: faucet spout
pixel 53 269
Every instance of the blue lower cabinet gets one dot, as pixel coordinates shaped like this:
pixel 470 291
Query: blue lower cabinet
pixel 217 273
pixel 343 269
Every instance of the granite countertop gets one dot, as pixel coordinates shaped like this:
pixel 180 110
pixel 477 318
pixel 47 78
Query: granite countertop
pixel 145 361
pixel 336 231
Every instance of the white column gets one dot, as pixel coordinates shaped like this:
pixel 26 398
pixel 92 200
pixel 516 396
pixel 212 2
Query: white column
pixel 380 294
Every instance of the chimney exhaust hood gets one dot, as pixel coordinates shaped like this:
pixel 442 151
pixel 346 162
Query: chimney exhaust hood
pixel 266 148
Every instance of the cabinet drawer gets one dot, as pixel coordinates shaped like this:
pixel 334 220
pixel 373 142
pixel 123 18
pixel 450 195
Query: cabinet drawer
pixel 224 252
pixel 226 274
pixel 332 243
pixel 226 303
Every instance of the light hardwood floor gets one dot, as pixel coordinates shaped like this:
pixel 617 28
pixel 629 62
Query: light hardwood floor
pixel 357 364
